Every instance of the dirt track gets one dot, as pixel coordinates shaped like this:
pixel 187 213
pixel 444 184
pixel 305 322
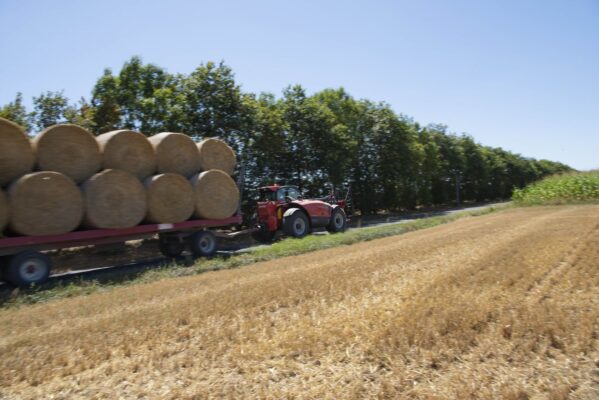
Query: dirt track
pixel 500 306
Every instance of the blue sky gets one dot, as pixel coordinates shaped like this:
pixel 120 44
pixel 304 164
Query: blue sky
pixel 523 75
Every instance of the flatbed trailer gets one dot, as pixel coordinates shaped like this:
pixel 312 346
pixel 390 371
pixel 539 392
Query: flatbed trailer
pixel 23 261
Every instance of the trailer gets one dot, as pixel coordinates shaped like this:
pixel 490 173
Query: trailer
pixel 23 261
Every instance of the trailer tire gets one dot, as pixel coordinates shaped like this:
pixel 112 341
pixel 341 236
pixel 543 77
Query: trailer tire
pixel 170 247
pixel 27 268
pixel 203 244
pixel 338 221
pixel 295 223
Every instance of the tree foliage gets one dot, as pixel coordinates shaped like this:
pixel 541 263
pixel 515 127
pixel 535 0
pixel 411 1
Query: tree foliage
pixel 16 112
pixel 390 161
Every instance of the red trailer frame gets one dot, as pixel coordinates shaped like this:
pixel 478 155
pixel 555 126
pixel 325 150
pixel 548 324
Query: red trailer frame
pixel 22 262
pixel 12 245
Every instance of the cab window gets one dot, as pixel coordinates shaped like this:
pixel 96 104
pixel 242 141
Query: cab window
pixel 293 193
pixel 290 192
pixel 267 195
pixel 281 193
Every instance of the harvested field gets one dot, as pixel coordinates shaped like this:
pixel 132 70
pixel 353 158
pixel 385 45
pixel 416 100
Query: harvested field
pixel 500 306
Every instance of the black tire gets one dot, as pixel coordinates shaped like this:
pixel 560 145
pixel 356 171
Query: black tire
pixel 263 236
pixel 27 268
pixel 171 247
pixel 203 244
pixel 338 221
pixel 295 223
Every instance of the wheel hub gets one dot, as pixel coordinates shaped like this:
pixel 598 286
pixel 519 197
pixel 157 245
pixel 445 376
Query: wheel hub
pixel 206 244
pixel 32 270
pixel 299 226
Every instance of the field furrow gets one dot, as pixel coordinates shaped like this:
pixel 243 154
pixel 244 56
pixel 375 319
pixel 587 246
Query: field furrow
pixel 500 306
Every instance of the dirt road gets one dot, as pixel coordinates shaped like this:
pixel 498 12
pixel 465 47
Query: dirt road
pixel 499 306
pixel 70 262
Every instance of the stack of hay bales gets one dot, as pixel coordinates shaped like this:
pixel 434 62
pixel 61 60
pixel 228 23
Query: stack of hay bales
pixel 65 179
pixel 215 194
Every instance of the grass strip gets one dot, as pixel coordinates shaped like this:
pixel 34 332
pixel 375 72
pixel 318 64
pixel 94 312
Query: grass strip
pixel 284 248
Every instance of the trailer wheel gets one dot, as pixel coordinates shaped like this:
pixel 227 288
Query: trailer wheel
pixel 338 221
pixel 203 244
pixel 170 247
pixel 295 223
pixel 27 268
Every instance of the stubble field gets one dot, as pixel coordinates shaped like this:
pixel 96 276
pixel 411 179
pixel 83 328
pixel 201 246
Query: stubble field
pixel 500 306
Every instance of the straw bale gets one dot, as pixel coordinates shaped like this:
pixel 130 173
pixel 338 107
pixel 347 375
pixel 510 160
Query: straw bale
pixel 216 154
pixel 113 199
pixel 170 198
pixel 128 151
pixel 68 149
pixel 4 211
pixel 175 152
pixel 215 195
pixel 16 153
pixel 44 203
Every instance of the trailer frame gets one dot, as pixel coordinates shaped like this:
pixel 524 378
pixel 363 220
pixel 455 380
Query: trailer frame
pixel 20 254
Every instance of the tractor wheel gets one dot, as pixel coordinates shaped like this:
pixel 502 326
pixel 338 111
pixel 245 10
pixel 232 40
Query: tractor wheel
pixel 338 221
pixel 263 236
pixel 203 244
pixel 295 223
pixel 27 268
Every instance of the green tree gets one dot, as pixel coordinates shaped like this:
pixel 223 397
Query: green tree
pixel 49 108
pixel 213 103
pixel 104 103
pixel 396 159
pixel 15 111
pixel 389 160
pixel 266 153
pixel 475 177
pixel 146 97
pixel 431 168
pixel 81 114
pixel 310 140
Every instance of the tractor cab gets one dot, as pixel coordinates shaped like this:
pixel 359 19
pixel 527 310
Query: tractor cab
pixel 284 208
pixel 279 193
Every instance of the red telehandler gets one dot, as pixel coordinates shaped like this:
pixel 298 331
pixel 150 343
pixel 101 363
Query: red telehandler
pixel 282 208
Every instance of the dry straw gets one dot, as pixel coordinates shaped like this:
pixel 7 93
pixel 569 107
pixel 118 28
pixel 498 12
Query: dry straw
pixel 4 211
pixel 215 195
pixel 175 152
pixel 16 154
pixel 170 198
pixel 128 151
pixel 216 154
pixel 44 203
pixel 113 199
pixel 68 149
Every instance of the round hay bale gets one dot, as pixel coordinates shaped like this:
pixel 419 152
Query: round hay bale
pixel 216 154
pixel 215 195
pixel 170 198
pixel 4 211
pixel 16 153
pixel 113 199
pixel 68 149
pixel 128 151
pixel 44 203
pixel 175 152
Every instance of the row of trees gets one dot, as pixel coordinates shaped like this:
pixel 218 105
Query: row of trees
pixel 390 161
